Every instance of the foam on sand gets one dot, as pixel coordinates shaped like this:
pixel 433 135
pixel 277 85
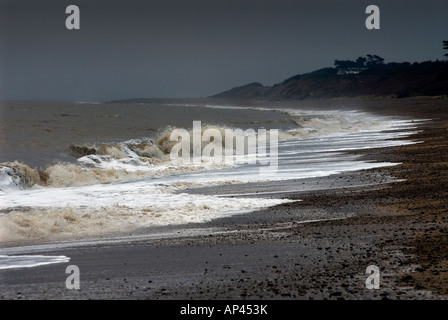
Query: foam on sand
pixel 28 261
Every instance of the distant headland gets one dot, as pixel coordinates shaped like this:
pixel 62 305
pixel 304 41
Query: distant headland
pixel 366 76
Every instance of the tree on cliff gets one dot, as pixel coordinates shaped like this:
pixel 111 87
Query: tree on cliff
pixel 362 63
pixel 374 60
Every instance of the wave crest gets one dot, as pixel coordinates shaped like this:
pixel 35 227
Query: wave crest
pixel 16 175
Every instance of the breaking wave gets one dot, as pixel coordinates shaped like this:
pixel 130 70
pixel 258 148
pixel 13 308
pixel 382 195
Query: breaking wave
pixel 17 176
pixel 111 162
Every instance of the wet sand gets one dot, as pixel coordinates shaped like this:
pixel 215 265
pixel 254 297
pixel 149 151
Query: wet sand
pixel 282 252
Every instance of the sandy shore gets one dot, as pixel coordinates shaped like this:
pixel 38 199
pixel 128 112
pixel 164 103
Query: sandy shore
pixel 282 253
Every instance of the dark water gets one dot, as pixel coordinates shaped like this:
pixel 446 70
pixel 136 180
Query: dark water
pixel 38 133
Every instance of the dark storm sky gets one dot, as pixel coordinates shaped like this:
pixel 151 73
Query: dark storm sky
pixel 196 48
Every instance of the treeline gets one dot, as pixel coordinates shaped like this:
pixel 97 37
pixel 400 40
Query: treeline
pixel 360 64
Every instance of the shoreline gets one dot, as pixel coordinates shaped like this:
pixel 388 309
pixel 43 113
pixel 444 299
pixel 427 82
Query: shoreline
pixel 400 226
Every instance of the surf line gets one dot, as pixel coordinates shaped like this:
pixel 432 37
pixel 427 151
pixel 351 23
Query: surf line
pixel 250 146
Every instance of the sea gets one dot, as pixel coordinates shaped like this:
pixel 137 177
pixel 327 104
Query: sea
pixel 71 172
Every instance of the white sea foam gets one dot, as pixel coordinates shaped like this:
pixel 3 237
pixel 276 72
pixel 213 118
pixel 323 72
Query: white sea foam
pixel 28 261
pixel 9 181
pixel 64 213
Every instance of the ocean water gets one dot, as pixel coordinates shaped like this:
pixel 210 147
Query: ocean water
pixel 76 171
